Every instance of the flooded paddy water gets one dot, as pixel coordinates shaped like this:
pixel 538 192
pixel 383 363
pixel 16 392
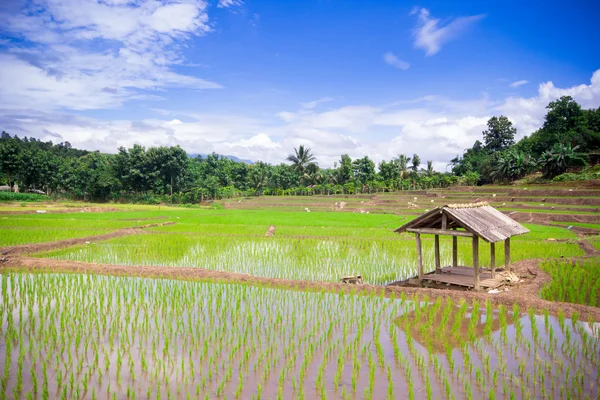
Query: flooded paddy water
pixel 85 336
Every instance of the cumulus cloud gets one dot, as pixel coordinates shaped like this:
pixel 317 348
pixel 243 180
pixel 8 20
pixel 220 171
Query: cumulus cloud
pixel 437 128
pixel 394 61
pixel 430 34
pixel 96 54
pixel 516 84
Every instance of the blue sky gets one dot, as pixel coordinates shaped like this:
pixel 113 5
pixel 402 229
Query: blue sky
pixel 254 78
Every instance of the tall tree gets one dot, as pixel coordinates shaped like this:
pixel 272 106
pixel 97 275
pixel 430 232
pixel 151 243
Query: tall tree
pixel 302 158
pixel 364 169
pixel 10 157
pixel 499 135
pixel 345 173
pixel 403 161
pixel 429 168
pixel 416 162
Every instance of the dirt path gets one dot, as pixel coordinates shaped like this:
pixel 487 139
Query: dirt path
pixel 44 246
pixel 525 295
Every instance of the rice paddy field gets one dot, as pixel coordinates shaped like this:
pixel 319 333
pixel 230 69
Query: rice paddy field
pixel 86 336
pixel 95 336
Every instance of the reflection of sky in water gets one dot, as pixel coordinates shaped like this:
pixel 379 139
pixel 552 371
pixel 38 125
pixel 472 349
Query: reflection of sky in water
pixel 211 327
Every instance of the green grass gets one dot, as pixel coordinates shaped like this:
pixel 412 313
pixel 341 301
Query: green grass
pixel 303 252
pixel 12 237
pixel 37 228
pixel 573 282
pixel 581 224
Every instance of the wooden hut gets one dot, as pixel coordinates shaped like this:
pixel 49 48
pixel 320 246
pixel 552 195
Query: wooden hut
pixel 473 220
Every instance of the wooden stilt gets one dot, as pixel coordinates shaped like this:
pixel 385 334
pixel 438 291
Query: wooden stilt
pixel 476 261
pixel 454 251
pixel 507 254
pixel 438 267
pixel 419 255
pixel 493 259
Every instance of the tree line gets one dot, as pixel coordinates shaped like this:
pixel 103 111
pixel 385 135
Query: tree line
pixel 167 174
pixel 563 143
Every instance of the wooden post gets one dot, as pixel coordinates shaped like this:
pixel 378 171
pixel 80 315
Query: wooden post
pixel 476 261
pixel 507 254
pixel 420 256
pixel 437 254
pixel 444 221
pixel 493 259
pixel 455 251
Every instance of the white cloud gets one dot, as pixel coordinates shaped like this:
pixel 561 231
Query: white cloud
pixel 437 128
pixel 430 35
pixel 516 84
pixel 394 61
pixel 314 103
pixel 229 3
pixel 95 54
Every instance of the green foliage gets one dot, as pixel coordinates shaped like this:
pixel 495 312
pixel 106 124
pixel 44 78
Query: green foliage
pixel 500 134
pixel 560 158
pixel 511 165
pixel 27 197
pixel 586 174
pixel 551 149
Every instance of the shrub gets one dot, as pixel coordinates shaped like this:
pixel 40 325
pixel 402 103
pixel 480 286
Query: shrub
pixel 10 196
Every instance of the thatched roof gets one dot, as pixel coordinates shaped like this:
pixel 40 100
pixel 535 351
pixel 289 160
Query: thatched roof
pixel 481 219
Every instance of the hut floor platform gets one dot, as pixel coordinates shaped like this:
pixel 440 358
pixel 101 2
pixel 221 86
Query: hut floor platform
pixel 465 276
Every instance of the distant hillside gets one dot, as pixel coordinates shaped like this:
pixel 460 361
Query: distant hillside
pixel 233 158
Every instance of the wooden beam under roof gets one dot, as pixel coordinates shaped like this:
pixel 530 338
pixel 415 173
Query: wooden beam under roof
pixel 447 232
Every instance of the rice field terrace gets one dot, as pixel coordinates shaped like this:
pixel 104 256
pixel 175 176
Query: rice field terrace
pixel 73 335
pixel 86 336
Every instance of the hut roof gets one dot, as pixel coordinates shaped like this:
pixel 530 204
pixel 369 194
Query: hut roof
pixel 481 219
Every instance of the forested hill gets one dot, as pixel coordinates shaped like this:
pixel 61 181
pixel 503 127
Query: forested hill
pixel 157 174
pixel 563 143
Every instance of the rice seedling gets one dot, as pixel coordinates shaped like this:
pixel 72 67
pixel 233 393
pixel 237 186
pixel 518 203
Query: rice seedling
pixel 202 339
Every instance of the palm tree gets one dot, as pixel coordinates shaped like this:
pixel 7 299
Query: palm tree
pixel 302 159
pixel 403 161
pixel 416 161
pixel 429 168
pixel 259 179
